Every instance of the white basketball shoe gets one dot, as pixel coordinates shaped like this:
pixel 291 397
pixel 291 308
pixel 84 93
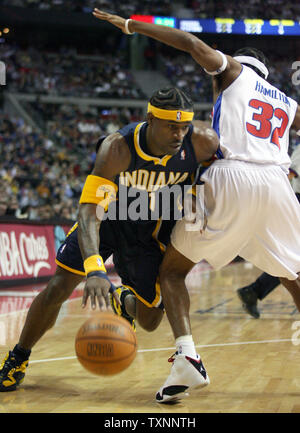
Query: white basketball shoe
pixel 186 374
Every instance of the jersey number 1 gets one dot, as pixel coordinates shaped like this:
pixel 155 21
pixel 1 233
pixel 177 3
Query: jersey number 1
pixel 267 112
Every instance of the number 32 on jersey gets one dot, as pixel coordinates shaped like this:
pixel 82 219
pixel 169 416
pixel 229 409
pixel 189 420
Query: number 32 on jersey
pixel 264 114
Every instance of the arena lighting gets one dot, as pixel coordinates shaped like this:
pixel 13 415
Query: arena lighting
pixel 251 26
pixel 6 30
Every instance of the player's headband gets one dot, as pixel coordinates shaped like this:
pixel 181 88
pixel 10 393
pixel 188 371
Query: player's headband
pixel 248 60
pixel 176 115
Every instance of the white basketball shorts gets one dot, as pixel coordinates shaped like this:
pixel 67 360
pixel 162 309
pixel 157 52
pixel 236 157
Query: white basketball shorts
pixel 252 212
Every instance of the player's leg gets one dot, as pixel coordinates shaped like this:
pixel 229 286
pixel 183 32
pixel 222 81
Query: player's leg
pixel 134 309
pixel 148 318
pixel 187 370
pixel 127 306
pixel 293 286
pixel 259 289
pixel 275 248
pixel 44 309
pixel 41 316
pixel 137 263
pixel 173 272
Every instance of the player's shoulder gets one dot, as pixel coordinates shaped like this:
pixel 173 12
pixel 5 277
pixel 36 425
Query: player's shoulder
pixel 113 156
pixel 128 130
pixel 114 147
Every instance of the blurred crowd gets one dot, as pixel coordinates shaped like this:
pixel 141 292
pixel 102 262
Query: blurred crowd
pixel 184 73
pixel 281 76
pixel 37 181
pixel 42 174
pixel 64 73
pixel 267 9
pixel 152 7
pixel 76 130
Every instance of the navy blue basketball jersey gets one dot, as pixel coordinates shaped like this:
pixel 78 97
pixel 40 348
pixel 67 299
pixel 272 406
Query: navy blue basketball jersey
pixel 136 228
pixel 158 181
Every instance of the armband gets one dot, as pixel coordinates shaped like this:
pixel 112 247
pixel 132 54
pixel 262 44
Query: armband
pixel 94 264
pixel 126 29
pixel 98 190
pixel 221 68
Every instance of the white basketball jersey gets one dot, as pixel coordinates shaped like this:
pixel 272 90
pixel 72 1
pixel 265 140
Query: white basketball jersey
pixel 252 119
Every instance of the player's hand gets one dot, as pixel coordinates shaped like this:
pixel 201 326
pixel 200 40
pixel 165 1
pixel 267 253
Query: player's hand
pixel 291 175
pixel 115 294
pixel 97 288
pixel 113 19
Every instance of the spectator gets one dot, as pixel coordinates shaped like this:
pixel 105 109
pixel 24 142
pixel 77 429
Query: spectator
pixel 12 207
pixel 148 7
pixel 43 190
pixel 49 168
pixel 45 73
pixel 3 207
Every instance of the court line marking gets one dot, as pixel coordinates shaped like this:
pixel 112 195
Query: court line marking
pixel 20 294
pixel 25 310
pixel 161 349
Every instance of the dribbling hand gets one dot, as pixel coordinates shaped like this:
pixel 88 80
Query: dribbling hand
pixel 98 288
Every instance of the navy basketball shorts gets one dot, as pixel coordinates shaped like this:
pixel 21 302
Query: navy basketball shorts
pixel 137 250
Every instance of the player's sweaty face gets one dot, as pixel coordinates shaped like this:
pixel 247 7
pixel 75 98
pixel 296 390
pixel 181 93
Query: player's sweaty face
pixel 170 135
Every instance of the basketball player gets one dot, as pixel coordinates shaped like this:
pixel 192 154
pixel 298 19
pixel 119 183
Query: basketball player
pixel 252 211
pixel 266 283
pixel 145 157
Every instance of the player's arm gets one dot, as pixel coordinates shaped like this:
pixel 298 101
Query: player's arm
pixel 205 141
pixel 211 60
pixel 294 170
pixel 99 190
pixel 296 123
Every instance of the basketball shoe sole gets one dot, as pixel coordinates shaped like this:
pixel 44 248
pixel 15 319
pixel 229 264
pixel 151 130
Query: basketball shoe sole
pixel 186 374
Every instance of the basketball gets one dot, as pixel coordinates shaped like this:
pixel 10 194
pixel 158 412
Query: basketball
pixel 105 344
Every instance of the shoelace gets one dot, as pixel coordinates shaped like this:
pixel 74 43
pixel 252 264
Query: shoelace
pixel 172 358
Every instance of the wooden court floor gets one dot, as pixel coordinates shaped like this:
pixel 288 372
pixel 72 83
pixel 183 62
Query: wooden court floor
pixel 253 364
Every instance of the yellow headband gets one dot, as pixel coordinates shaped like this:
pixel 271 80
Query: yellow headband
pixel 176 115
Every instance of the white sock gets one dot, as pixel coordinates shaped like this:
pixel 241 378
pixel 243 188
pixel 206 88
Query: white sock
pixel 185 345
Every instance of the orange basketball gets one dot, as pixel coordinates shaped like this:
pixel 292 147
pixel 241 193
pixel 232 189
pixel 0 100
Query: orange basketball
pixel 105 344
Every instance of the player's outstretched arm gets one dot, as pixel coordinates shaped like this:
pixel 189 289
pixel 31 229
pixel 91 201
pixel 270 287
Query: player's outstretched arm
pixel 210 59
pixel 99 190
